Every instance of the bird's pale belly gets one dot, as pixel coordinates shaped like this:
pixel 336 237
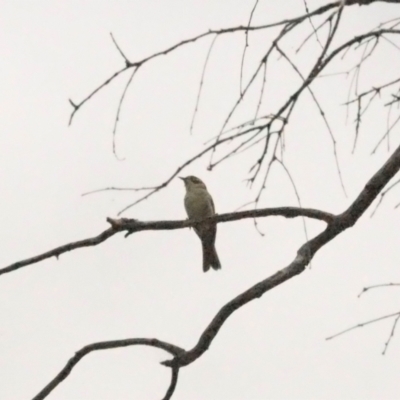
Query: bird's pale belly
pixel 198 206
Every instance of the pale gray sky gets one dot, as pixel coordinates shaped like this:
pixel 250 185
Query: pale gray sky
pixel 151 284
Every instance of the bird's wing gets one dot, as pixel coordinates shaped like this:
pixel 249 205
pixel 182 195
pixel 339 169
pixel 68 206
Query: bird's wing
pixel 212 204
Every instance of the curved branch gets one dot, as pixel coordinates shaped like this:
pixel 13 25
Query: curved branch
pixel 112 344
pixel 133 225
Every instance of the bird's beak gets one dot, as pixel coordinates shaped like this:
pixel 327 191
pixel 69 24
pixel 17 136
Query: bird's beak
pixel 180 177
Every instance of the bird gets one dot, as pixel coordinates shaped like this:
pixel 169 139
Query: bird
pixel 199 204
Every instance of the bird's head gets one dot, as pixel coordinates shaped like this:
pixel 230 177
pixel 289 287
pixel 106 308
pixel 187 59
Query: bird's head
pixel 192 182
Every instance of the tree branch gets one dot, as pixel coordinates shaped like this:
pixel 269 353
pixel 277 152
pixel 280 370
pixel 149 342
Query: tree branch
pixel 349 217
pixel 336 225
pixel 133 226
pixel 304 255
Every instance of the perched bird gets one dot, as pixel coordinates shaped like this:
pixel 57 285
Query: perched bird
pixel 199 204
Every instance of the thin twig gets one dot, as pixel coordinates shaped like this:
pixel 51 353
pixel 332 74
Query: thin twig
pixel 156 189
pixel 311 23
pixel 77 106
pixel 118 189
pixel 386 134
pixel 377 286
pixel 362 324
pixel 382 195
pixel 201 83
pixel 246 45
pixel 297 20
pixel 314 32
pixel 391 335
pixel 127 62
pixel 296 192
pixel 263 84
pixel 121 100
pixel 323 115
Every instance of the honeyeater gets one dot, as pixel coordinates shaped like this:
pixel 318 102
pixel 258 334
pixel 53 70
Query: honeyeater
pixel 199 205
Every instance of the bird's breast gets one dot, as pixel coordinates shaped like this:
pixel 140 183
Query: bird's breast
pixel 198 204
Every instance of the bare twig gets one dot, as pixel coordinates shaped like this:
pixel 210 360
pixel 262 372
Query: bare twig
pixel 362 324
pixel 201 83
pixel 383 194
pixel 288 106
pixel 246 45
pixel 263 186
pixel 374 91
pixel 323 115
pixel 118 189
pixel 391 335
pixel 296 192
pixel 315 32
pixel 77 106
pixel 386 134
pixel 200 154
pixel 127 62
pixel 121 100
pixel 365 55
pixel 285 110
pixel 377 286
pixel 391 42
pixel 263 84
pixel 311 23
pixel 237 150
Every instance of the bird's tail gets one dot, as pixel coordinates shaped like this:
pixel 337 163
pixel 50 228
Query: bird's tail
pixel 210 257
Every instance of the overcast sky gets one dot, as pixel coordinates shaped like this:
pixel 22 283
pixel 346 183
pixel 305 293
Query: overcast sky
pixel 152 284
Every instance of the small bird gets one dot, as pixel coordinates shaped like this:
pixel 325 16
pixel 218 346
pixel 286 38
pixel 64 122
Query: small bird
pixel 199 204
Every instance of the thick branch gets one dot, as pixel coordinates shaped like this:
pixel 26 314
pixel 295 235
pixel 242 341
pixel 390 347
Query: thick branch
pixel 132 226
